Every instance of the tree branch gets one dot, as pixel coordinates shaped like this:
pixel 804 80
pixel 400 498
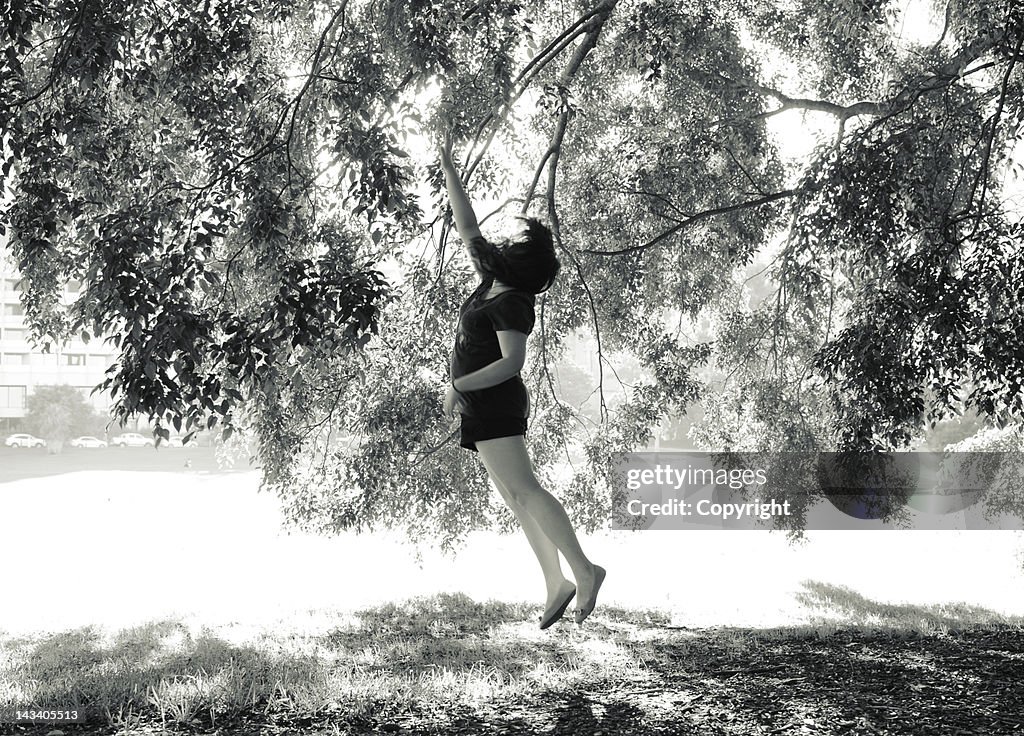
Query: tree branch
pixel 503 205
pixel 955 68
pixel 60 55
pixel 945 28
pixel 530 193
pixel 522 82
pixel 302 102
pixel 986 159
pixel 705 215
pixel 600 14
pixel 653 195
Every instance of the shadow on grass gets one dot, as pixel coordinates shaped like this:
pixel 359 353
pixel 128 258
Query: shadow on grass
pixel 449 664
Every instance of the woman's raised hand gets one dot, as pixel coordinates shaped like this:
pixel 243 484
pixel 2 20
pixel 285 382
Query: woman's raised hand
pixel 444 149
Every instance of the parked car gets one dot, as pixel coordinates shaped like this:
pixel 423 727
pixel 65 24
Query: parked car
pixel 24 440
pixel 87 441
pixel 172 441
pixel 132 439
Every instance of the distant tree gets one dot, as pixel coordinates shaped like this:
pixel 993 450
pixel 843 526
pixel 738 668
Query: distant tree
pixel 998 455
pixel 58 413
pixel 952 431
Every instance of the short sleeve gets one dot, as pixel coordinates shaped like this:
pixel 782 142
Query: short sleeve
pixel 513 311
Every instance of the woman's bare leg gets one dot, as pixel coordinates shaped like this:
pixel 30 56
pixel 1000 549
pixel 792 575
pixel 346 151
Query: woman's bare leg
pixel 508 462
pixel 547 553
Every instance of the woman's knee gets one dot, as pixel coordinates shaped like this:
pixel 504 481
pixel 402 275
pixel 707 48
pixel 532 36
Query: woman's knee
pixel 521 493
pixel 504 493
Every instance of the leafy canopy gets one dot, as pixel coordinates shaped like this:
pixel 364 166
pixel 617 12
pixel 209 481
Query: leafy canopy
pixel 231 181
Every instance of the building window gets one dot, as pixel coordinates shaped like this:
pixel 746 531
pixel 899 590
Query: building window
pixel 15 359
pixel 12 285
pixel 74 287
pixel 44 359
pixel 14 310
pixel 12 397
pixel 74 359
pixel 15 334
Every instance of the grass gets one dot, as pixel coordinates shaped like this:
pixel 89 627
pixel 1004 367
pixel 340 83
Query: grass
pixel 450 664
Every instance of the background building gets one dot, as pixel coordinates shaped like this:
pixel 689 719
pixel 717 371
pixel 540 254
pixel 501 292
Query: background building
pixel 23 366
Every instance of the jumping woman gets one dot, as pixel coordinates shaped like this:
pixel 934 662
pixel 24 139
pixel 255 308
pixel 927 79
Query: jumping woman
pixel 490 396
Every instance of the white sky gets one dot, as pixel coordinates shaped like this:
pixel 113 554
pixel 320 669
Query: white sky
pixel 919 24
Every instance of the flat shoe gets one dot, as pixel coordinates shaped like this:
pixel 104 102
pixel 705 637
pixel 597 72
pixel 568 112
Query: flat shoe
pixel 582 613
pixel 557 613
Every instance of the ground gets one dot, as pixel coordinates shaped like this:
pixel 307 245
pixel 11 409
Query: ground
pixel 447 665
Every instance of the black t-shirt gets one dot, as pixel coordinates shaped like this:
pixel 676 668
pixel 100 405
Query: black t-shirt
pixel 476 345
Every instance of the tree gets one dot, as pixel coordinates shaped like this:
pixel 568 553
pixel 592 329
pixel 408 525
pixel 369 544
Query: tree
pixel 58 413
pixel 227 179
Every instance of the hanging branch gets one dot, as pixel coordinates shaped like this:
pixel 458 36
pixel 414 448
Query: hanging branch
pixel 983 171
pixel 550 380
pixel 289 111
pixel 599 16
pixel 556 231
pixel 60 55
pixel 302 101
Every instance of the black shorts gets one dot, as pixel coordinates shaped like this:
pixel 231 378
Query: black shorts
pixel 475 429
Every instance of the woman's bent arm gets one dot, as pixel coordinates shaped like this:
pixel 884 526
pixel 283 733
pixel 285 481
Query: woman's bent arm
pixel 490 375
pixel 513 356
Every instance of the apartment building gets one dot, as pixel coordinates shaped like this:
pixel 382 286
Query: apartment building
pixel 23 366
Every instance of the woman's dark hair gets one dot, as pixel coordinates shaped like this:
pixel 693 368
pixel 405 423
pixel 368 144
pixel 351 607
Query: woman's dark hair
pixel 528 263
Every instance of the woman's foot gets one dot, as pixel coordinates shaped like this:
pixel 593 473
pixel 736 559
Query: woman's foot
pixel 559 599
pixel 589 585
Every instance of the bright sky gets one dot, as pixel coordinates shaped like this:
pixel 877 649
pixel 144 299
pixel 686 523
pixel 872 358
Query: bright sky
pixel 919 24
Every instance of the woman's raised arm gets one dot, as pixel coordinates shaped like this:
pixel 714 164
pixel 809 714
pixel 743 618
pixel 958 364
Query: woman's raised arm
pixel 465 218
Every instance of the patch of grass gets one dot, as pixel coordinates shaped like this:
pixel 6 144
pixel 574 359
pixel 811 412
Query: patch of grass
pixel 163 669
pixel 839 606
pixel 441 615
